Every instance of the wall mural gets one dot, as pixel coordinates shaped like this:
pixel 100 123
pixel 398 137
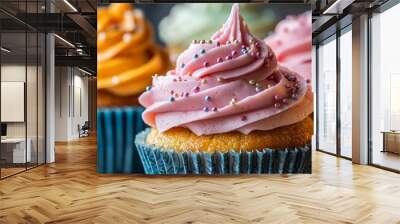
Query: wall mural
pixel 216 89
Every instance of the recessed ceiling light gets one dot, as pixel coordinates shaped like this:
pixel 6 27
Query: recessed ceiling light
pixel 5 49
pixel 84 71
pixel 64 40
pixel 70 5
pixel 337 6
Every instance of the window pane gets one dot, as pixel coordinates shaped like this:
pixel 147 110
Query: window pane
pixel 346 94
pixel 327 97
pixel 385 84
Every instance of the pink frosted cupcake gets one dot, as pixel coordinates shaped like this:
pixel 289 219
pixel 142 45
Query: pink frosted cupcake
pixel 227 108
pixel 291 43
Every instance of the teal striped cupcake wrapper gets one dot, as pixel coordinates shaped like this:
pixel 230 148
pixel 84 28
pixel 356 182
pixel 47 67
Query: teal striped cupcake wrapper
pixel 267 161
pixel 116 131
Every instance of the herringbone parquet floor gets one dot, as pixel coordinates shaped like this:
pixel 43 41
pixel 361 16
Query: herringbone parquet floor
pixel 70 191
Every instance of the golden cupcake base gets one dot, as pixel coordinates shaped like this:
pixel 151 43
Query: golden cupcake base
pixel 182 139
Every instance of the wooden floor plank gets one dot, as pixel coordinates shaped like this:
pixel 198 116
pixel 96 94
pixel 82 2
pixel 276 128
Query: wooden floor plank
pixel 70 191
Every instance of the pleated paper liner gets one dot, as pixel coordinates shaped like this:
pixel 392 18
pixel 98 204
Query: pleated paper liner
pixel 116 131
pixel 267 161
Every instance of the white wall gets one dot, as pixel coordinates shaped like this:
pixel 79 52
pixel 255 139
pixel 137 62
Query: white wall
pixel 12 73
pixel 81 100
pixel 61 103
pixel 71 93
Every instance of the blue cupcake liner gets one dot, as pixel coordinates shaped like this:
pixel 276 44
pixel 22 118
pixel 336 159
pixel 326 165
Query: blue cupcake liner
pixel 116 131
pixel 156 160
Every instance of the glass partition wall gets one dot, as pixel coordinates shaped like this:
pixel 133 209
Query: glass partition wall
pixel 334 94
pixel 13 88
pixel 22 78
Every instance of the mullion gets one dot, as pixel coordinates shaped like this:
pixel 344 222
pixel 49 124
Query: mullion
pixel 45 87
pixel 369 83
pixel 316 97
pixel 26 87
pixel 338 95
pixel 0 96
pixel 37 90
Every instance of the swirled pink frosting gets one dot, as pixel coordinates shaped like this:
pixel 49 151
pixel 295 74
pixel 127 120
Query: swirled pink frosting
pixel 229 83
pixel 291 42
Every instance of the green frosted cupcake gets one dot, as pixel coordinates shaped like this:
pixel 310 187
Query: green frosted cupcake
pixel 190 21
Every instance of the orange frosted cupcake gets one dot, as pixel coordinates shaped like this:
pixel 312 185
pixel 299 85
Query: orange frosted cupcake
pixel 127 56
